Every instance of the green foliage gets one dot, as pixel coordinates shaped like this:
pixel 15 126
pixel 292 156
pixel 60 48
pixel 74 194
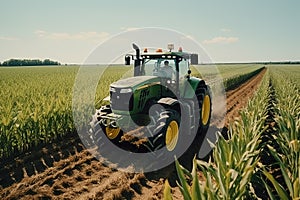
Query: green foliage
pixel 167 191
pixel 36 104
pixel 226 76
pixel 28 62
pixel 236 159
pixel 235 81
pixel 285 81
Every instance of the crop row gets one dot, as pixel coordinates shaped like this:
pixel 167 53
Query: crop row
pixel 226 76
pixel 36 104
pixel 225 70
pixel 233 82
pixel 239 169
pixel 287 149
pixel 235 158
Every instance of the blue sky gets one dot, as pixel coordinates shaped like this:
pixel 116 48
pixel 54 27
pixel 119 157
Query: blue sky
pixel 229 31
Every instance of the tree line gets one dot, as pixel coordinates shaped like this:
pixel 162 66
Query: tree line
pixel 28 62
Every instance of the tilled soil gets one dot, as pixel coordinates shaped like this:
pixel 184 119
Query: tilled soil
pixel 66 170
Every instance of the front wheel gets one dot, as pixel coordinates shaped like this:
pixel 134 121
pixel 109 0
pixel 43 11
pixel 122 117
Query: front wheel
pixel 166 132
pixel 99 128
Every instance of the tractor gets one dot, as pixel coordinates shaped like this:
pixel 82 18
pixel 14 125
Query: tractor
pixel 164 103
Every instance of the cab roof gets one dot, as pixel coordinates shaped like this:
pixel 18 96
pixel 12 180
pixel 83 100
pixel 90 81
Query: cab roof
pixel 166 54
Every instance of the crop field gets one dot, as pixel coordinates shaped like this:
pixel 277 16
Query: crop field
pixel 258 157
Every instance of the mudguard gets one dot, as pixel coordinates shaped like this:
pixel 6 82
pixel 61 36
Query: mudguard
pixel 168 101
pixel 191 86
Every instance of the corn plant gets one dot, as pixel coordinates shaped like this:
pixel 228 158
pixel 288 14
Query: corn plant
pixel 235 159
pixel 36 104
pixel 233 82
pixel 287 118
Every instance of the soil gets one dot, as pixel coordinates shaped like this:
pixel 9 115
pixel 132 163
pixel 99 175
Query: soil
pixel 66 170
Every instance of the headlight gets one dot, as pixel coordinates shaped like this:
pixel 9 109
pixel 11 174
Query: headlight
pixel 126 90
pixel 112 89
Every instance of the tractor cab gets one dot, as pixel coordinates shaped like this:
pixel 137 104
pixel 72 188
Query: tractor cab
pixel 171 67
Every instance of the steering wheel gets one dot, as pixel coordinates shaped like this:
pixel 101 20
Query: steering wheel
pixel 162 73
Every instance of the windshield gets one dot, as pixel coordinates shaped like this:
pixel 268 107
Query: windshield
pixel 165 68
pixel 183 68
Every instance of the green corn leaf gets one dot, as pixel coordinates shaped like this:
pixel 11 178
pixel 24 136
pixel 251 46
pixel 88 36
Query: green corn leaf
pixel 282 194
pixel 196 193
pixel 296 187
pixel 184 187
pixel 287 179
pixel 167 191
pixel 271 195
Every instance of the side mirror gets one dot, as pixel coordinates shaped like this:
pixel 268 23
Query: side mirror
pixel 189 74
pixel 127 60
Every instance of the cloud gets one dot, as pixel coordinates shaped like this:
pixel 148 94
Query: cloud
pixel 221 40
pixel 225 30
pixel 8 38
pixel 40 33
pixel 90 35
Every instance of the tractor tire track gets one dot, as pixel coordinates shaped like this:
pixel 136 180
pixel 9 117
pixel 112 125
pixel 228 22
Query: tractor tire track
pixel 238 98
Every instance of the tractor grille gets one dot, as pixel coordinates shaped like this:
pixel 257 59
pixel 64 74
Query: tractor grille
pixel 121 101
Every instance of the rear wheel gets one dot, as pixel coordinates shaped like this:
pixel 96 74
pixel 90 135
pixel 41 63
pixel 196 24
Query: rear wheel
pixel 204 102
pixel 202 117
pixel 203 97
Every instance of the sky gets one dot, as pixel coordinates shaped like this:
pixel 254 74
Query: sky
pixel 229 31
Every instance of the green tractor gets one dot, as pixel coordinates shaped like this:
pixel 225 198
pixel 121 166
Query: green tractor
pixel 162 101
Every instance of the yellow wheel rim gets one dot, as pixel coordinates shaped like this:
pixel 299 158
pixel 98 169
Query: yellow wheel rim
pixel 112 133
pixel 172 135
pixel 205 109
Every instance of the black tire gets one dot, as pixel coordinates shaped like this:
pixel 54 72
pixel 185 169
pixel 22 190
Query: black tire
pixel 98 130
pixel 203 95
pixel 166 120
pixel 202 92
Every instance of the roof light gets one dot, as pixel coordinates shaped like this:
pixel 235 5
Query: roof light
pixel 145 50
pixel 170 47
pixel 159 50
pixel 180 49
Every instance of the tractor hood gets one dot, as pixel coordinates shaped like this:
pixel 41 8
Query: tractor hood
pixel 136 82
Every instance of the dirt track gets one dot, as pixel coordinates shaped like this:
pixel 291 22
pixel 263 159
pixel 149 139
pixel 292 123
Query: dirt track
pixel 65 169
